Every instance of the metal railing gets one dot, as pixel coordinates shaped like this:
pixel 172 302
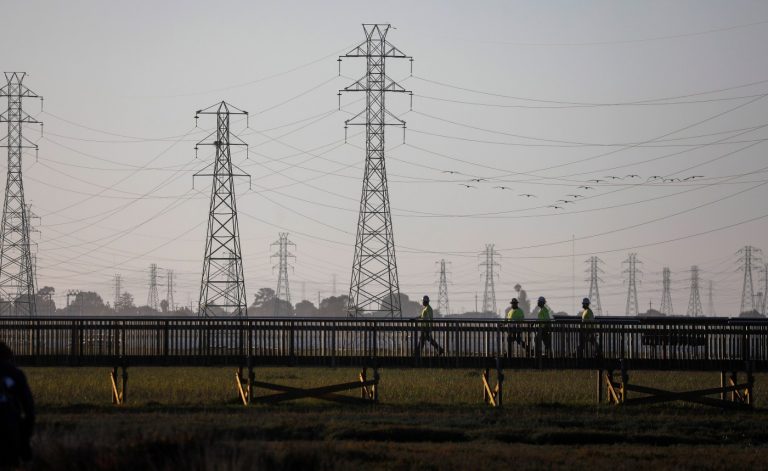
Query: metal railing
pixel 671 343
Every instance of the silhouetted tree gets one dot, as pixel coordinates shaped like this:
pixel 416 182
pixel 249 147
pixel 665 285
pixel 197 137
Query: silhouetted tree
pixel 44 301
pixel 306 309
pixel 335 306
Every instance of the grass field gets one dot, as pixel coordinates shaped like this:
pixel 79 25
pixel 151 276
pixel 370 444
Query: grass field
pixel 427 419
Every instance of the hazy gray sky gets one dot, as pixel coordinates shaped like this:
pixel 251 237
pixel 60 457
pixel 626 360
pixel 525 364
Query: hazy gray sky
pixel 503 91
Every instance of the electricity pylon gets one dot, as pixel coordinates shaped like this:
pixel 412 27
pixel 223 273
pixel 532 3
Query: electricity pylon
pixel 750 256
pixel 118 280
pixel 763 308
pixel 220 293
pixel 153 300
pixel 489 294
pixel 374 287
pixel 594 271
pixel 169 290
pixel 632 271
pixel 283 292
pixel 442 290
pixel 694 302
pixel 17 280
pixel 710 301
pixel 666 293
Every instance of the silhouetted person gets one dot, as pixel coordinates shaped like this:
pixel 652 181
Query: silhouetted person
pixel 544 319
pixel 587 333
pixel 515 334
pixel 425 319
pixel 17 412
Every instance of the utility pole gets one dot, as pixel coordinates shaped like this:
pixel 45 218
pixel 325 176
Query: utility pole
pixel 220 293
pixel 666 294
pixel 694 302
pixel 710 301
pixel 749 257
pixel 489 295
pixel 374 287
pixel 764 304
pixel 632 271
pixel 442 291
pixel 153 300
pixel 17 280
pixel 283 292
pixel 118 281
pixel 594 271
pixel 169 290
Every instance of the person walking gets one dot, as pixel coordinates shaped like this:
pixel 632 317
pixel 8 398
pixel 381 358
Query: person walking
pixel 515 334
pixel 17 412
pixel 425 321
pixel 544 318
pixel 587 334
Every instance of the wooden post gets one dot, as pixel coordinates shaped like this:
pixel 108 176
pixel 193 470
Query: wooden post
pixel 624 380
pixel 499 383
pixel 734 381
pixel 750 385
pixel 486 399
pixel 125 384
pixel 722 385
pixel 363 379
pixel 115 393
pixel 599 387
pixel 376 378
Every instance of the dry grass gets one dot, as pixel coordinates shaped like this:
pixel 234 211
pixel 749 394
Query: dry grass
pixel 428 419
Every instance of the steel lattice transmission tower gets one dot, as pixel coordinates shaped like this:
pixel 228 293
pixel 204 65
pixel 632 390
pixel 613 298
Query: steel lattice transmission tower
pixel 153 300
pixel 666 293
pixel 750 256
pixel 17 278
pixel 710 301
pixel 490 264
pixel 169 290
pixel 222 294
pixel 594 271
pixel 283 292
pixel 442 290
pixel 694 302
pixel 374 287
pixel 632 271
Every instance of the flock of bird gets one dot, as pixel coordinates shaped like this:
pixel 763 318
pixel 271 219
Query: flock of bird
pixel 559 204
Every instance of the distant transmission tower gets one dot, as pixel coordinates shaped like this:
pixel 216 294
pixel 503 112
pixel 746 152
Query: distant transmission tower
pixel 694 302
pixel 169 290
pixel 118 280
pixel 31 218
pixel 750 256
pixel 153 300
pixel 17 279
pixel 632 271
pixel 283 288
pixel 710 301
pixel 666 293
pixel 220 293
pixel 442 291
pixel 763 309
pixel 489 295
pixel 374 287
pixel 594 271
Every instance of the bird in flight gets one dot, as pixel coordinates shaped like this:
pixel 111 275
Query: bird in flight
pixel 633 175
pixel 527 195
pixel 596 181
pixel 613 177
pixel 564 201
pixel 575 196
pixel 586 187
pixel 693 177
pixel 467 186
pixel 553 206
pixel 503 187
pixel 655 177
pixel 478 180
pixel 670 180
pixel 452 172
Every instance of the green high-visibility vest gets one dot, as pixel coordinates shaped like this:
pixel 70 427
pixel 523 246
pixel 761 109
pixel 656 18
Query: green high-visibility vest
pixel 426 313
pixel 515 315
pixel 587 315
pixel 544 314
